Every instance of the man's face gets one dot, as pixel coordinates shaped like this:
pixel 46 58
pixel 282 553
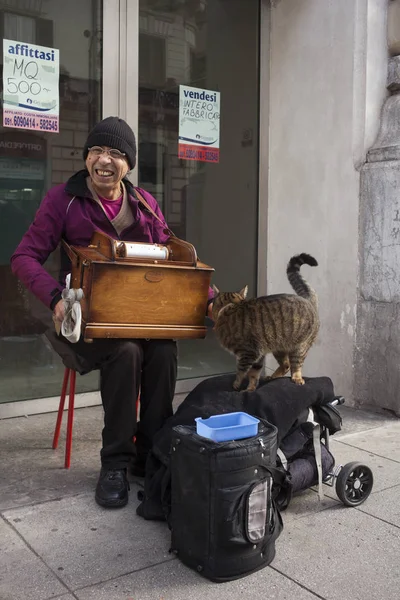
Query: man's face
pixel 106 172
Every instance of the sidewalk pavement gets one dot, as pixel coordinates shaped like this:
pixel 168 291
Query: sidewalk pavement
pixel 55 542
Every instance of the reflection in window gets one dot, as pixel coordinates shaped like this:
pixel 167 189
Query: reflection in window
pixel 152 60
pixel 31 162
pixel 211 45
pixel 17 27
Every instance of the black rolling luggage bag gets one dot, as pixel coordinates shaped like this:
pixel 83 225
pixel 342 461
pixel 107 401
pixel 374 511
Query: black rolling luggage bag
pixel 224 521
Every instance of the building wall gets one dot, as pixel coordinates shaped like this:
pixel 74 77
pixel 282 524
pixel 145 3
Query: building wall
pixel 327 85
pixel 377 380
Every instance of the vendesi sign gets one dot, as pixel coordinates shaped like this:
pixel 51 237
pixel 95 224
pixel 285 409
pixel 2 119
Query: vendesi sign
pixel 199 119
pixel 30 86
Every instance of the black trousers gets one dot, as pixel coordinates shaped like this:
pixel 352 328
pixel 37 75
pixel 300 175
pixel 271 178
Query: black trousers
pixel 127 367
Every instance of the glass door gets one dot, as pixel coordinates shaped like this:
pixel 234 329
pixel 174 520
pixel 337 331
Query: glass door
pixel 132 58
pixel 203 47
pixel 31 162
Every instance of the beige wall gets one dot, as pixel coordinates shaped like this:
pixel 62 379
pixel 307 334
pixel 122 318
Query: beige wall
pixel 327 85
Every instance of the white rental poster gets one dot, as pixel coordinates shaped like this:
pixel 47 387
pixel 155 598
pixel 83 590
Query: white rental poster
pixel 30 86
pixel 199 118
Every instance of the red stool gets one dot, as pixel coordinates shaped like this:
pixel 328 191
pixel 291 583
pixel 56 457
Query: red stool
pixel 69 375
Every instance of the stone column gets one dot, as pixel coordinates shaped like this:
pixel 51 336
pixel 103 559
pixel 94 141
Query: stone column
pixel 377 355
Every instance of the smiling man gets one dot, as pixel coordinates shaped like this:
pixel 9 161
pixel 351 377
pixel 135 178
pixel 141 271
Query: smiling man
pixel 100 198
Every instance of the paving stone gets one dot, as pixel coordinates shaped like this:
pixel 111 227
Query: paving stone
pixel 85 543
pixel 23 576
pixel 342 554
pixel 174 581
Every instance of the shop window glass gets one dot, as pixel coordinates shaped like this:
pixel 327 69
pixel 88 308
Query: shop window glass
pixel 31 162
pixel 213 45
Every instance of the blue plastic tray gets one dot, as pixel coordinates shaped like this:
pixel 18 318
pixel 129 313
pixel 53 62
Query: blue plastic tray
pixel 227 427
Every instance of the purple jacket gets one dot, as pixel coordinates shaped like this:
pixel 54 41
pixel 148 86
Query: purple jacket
pixel 69 212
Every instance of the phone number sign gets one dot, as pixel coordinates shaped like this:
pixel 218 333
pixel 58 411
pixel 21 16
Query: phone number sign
pixel 30 86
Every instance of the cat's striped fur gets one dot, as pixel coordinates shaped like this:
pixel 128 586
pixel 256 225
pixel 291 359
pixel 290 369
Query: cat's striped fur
pixel 285 325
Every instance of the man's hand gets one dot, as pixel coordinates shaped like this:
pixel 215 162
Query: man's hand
pixel 59 311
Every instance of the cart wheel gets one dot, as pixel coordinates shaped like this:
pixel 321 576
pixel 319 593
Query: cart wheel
pixel 354 483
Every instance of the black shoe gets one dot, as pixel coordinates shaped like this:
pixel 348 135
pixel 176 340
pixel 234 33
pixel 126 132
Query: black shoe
pixel 112 488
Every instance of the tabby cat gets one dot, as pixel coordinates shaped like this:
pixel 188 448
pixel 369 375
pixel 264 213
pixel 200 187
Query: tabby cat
pixel 284 324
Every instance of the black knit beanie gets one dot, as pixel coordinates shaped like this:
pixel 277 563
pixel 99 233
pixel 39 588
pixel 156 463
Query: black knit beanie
pixel 114 133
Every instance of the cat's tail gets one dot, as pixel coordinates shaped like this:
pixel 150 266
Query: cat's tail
pixel 298 283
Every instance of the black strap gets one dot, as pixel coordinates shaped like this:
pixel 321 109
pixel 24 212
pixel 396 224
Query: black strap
pixel 143 201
